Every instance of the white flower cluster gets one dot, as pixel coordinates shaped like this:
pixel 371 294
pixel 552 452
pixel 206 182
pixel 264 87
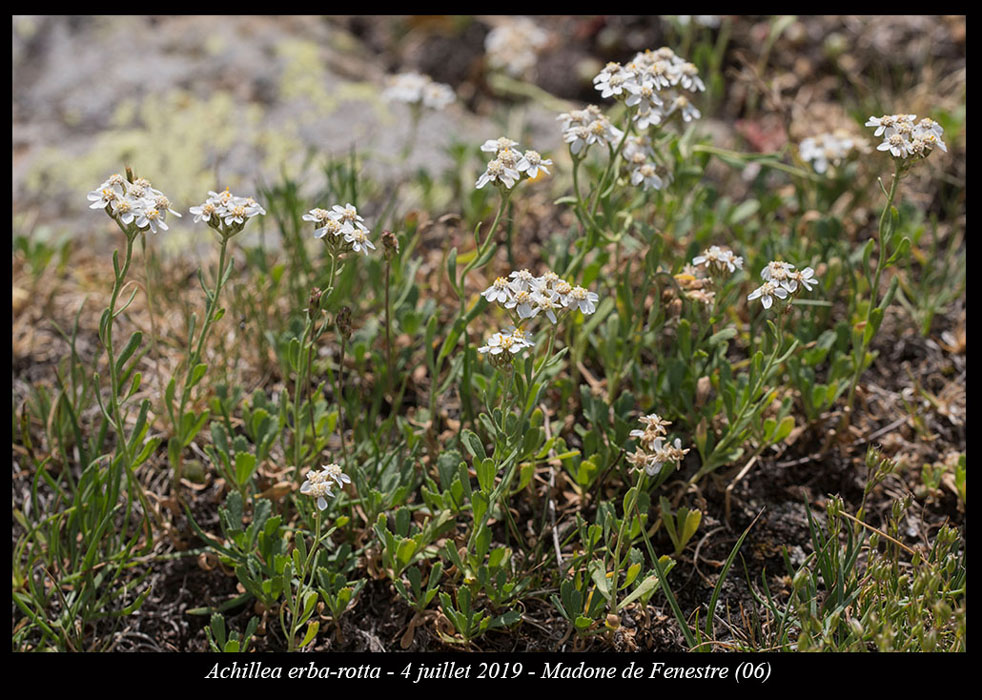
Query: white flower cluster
pixel 584 127
pixel 510 164
pixel 513 46
pixel 639 158
pixel 502 345
pixel 719 260
pixel 527 296
pixel 781 280
pixel 225 212
pixel 132 202
pixel 826 149
pixel 654 83
pixel 417 90
pixel 654 449
pixel 346 228
pixel 318 483
pixel 905 137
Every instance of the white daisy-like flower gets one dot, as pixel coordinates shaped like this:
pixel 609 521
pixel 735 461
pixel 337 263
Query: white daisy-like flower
pixel 930 132
pixel 547 281
pixel 406 87
pixel 642 95
pixel 602 131
pixel 766 293
pixel 334 471
pixel 688 78
pixel 776 271
pixel 498 144
pixel 546 304
pixel 660 73
pixel 531 163
pixel 662 453
pixel 318 484
pixel 649 118
pixel 497 171
pixel 719 260
pixel 522 302
pixel 521 280
pixel 638 145
pixel 124 210
pixel 438 95
pixel 359 241
pixel 508 342
pixel 646 174
pixel 253 208
pixel 318 216
pixel 103 197
pixel 204 211
pixel 585 300
pixel 578 138
pixel 824 150
pixel 235 214
pixel 561 292
pixel 347 215
pixel 499 291
pixel 509 157
pixel 612 81
pixel 806 278
pixel 513 46
pixel 579 117
pixel 896 144
pixel 333 227
pixel 222 199
pixel 152 218
pixel 163 205
pixel 682 105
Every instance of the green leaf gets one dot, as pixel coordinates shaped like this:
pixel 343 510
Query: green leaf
pixel 691 524
pixel 473 444
pixel 311 633
pixel 405 551
pixel 131 346
pixel 293 354
pixel 784 429
pixel 901 252
pixel 867 252
pixel 744 210
pixel 245 466
pixel 196 374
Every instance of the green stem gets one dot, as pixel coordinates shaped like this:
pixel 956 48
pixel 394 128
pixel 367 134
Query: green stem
pixel 111 354
pixel 881 257
pixel 195 356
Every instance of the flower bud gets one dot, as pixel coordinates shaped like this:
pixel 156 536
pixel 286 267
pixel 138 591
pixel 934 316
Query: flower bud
pixel 390 245
pixel 343 321
pixel 313 302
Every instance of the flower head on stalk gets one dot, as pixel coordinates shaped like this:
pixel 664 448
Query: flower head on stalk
pixel 907 138
pixel 505 345
pixel 513 45
pixel 510 164
pixel 341 228
pixel 135 206
pixel 318 484
pixel 654 449
pixel 719 261
pixel 826 149
pixel 783 281
pixel 653 85
pixel 226 212
pixel 417 91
